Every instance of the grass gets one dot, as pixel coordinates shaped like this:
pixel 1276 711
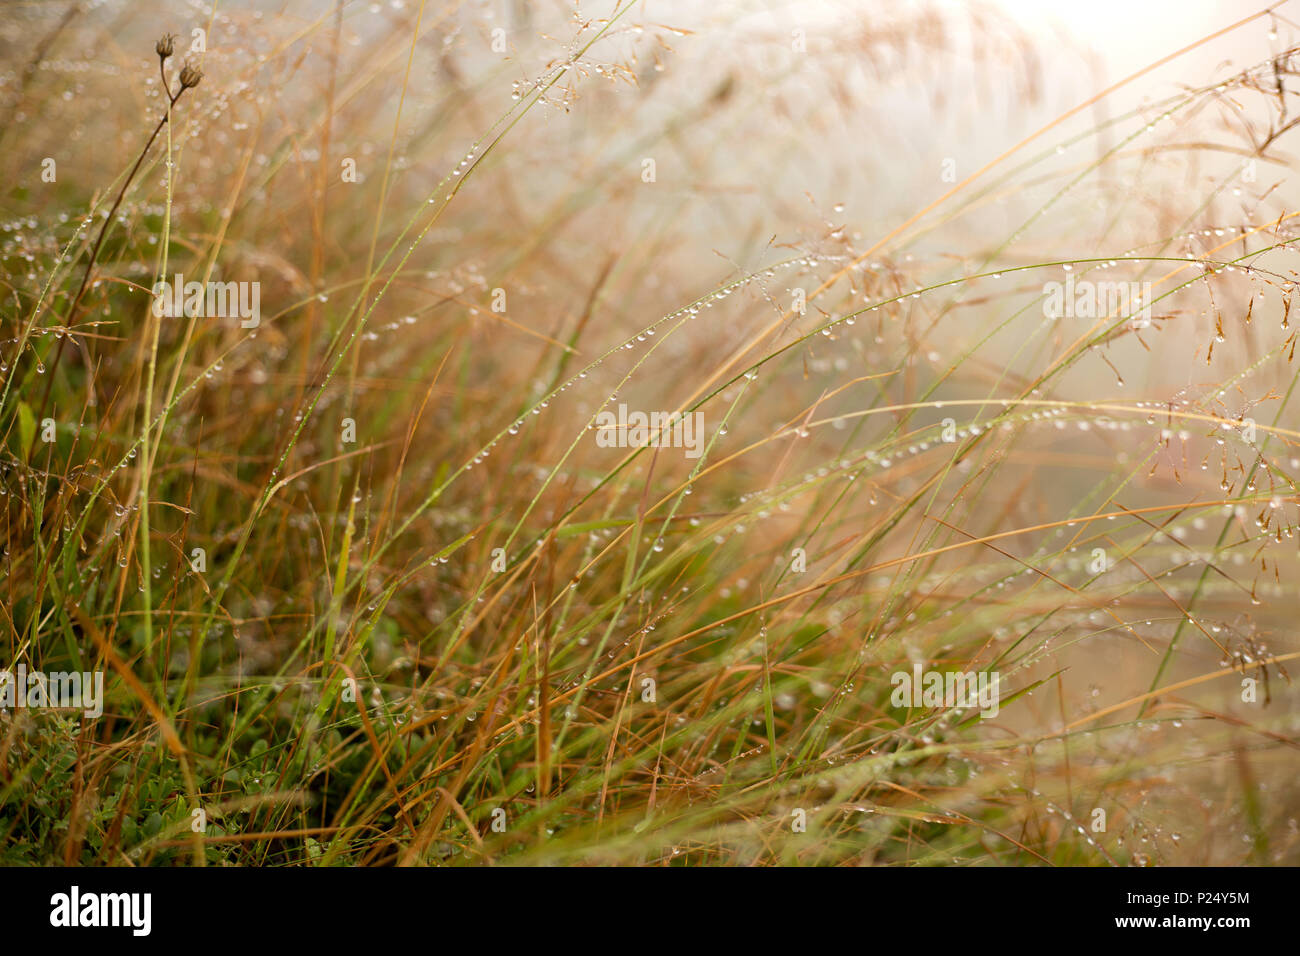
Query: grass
pixel 364 585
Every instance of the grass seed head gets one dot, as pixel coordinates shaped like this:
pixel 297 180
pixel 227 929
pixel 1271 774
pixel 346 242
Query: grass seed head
pixel 190 76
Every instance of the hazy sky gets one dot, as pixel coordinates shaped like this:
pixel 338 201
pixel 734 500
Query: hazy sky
pixel 1130 34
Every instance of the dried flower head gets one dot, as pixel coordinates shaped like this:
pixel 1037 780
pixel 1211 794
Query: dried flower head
pixel 190 76
pixel 166 46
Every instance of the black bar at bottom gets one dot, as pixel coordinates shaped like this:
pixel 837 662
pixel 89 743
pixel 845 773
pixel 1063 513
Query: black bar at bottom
pixel 343 907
